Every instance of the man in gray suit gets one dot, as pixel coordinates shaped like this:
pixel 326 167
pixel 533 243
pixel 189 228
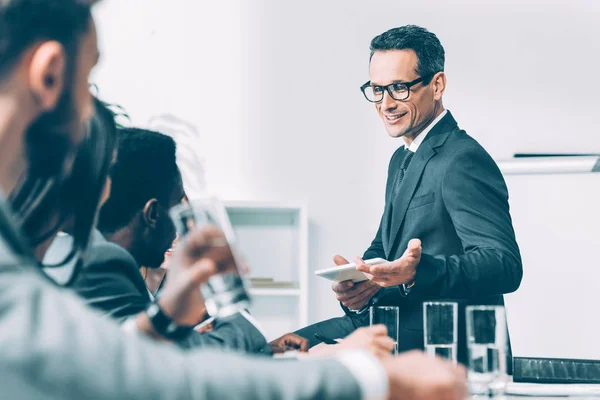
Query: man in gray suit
pixel 54 347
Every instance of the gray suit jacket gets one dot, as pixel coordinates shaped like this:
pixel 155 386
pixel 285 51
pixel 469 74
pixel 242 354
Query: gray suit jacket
pixel 110 281
pixel 55 347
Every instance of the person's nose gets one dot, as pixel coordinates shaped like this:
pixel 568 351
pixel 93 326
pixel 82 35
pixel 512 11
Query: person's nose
pixel 387 103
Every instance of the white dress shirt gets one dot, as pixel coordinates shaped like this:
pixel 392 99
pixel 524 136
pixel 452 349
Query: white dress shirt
pixel 414 146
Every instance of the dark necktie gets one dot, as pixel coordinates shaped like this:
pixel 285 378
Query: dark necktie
pixel 403 167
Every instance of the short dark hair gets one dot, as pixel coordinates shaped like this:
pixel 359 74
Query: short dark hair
pixel 429 50
pixel 145 169
pixel 25 22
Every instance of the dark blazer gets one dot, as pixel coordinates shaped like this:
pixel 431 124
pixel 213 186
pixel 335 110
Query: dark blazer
pixel 453 197
pixel 110 280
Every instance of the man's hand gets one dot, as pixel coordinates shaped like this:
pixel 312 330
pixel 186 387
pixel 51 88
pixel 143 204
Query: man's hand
pixel 414 376
pixel 353 295
pixel 289 341
pixel 373 339
pixel 401 271
pixel 200 255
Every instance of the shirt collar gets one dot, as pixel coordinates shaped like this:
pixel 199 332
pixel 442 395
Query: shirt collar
pixel 414 146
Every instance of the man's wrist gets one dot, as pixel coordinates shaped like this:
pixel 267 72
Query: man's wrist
pixel 163 324
pixel 361 310
pixel 366 307
pixel 144 326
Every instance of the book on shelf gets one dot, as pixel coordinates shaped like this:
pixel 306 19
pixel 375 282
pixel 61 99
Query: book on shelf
pixel 270 283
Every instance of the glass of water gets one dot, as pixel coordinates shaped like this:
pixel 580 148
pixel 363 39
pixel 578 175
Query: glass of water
pixel 487 344
pixel 225 293
pixel 440 329
pixel 390 317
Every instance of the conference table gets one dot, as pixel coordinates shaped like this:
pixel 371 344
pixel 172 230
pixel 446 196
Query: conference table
pixel 548 391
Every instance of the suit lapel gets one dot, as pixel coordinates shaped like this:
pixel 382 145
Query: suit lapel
pixel 412 177
pixel 388 210
pixel 407 189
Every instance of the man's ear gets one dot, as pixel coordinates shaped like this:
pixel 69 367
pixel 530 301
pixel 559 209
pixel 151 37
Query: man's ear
pixel 151 212
pixel 439 85
pixel 47 74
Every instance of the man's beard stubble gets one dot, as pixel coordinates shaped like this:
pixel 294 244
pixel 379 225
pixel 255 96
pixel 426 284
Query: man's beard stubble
pixel 51 139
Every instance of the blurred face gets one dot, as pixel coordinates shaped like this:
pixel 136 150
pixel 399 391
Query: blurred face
pixel 165 233
pixel 408 117
pixel 171 250
pixel 52 138
pixel 108 184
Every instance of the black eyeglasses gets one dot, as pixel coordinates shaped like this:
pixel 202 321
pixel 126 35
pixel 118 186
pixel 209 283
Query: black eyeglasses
pixel 397 91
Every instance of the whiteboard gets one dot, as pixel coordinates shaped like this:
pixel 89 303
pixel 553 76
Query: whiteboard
pixel 555 312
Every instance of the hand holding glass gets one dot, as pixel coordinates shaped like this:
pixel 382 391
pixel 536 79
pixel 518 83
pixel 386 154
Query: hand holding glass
pixel 224 293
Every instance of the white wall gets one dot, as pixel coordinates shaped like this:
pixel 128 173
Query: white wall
pixel 273 88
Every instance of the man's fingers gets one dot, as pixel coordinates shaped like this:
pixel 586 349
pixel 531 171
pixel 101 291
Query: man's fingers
pixel 202 270
pixel 339 260
pixel 389 269
pixel 296 342
pixel 414 244
pixel 383 283
pixel 414 248
pixel 355 304
pixel 358 294
pixel 461 372
pixel 382 354
pixel 353 292
pixel 386 343
pixel 461 389
pixel 378 329
pixel 359 302
pixel 207 243
pixel 198 241
pixel 342 286
pixel 382 269
pixel 303 345
pixel 364 268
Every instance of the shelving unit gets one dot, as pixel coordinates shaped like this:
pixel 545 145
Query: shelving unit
pixel 274 292
pixel 274 240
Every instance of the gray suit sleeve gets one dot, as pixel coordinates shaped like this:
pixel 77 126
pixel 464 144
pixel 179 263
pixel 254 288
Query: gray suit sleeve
pixel 58 347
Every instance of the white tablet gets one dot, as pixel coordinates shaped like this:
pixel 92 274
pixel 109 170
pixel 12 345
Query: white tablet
pixel 347 272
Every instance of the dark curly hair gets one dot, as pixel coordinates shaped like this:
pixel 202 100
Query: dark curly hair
pixel 146 169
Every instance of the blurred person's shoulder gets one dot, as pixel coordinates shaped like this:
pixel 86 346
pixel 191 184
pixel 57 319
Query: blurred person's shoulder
pixel 8 256
pixel 101 252
pixel 105 260
pixel 14 250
